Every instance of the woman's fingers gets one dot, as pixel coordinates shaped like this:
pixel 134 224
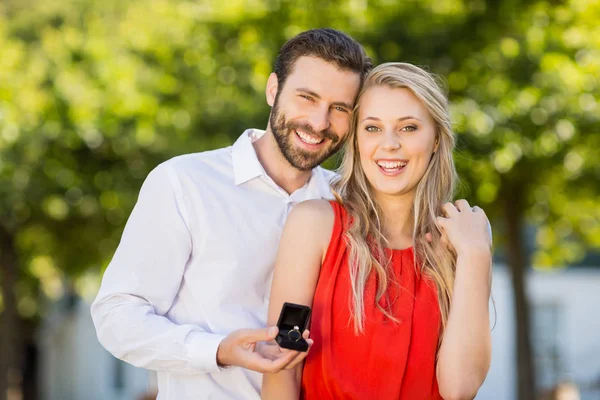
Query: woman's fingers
pixel 462 205
pixel 441 221
pixel 449 210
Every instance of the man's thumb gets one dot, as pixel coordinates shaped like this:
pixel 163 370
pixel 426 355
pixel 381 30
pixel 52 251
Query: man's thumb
pixel 264 334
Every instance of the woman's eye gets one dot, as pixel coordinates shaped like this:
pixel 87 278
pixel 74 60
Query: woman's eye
pixel 371 128
pixel 409 128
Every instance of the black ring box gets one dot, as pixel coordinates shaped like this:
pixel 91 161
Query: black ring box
pixel 292 315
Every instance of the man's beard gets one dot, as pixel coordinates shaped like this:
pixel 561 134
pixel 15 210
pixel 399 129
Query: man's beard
pixel 300 159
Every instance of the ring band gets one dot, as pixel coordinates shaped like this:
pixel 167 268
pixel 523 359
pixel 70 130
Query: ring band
pixel 294 334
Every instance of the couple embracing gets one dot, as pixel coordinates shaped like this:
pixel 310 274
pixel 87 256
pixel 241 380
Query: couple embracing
pixel 395 273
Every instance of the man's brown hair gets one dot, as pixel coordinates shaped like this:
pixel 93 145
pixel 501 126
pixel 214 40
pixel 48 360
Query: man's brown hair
pixel 327 44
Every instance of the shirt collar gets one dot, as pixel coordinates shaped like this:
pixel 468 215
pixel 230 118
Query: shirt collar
pixel 246 166
pixel 245 162
pixel 319 185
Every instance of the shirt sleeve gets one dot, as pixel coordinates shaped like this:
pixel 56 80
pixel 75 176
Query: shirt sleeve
pixel 142 281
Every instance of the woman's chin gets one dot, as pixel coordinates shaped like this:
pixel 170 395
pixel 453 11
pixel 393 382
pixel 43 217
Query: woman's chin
pixel 394 191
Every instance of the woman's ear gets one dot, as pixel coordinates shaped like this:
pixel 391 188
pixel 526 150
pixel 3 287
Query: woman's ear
pixel 436 145
pixel 272 87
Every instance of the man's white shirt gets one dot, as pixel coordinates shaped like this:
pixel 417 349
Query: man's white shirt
pixel 195 263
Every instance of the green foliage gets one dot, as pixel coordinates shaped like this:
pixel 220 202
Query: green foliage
pixel 527 108
pixel 94 94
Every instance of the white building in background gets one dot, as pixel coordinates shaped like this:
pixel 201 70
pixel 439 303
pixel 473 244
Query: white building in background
pixel 566 304
pixel 74 366
pixel 565 331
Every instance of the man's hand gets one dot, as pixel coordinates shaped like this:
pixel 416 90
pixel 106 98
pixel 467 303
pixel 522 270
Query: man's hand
pixel 245 348
pixel 272 351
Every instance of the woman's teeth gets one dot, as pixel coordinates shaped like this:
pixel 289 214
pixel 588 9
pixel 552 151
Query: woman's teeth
pixel 392 166
pixel 309 139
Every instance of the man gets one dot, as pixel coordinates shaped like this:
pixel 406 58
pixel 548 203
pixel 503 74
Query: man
pixel 196 258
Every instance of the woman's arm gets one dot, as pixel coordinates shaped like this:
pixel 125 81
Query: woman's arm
pixel 465 352
pixel 303 245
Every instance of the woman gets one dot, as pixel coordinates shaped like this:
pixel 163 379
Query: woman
pixel 399 293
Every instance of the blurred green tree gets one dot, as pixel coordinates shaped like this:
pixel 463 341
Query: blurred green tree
pixel 527 105
pixel 94 94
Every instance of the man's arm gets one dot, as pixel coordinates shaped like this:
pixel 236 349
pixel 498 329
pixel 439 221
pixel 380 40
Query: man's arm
pixel 140 285
pixel 142 280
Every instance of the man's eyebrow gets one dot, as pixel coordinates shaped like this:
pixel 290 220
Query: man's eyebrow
pixel 399 119
pixel 316 96
pixel 344 105
pixel 308 91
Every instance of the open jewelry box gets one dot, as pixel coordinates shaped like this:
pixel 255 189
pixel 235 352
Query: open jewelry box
pixel 292 322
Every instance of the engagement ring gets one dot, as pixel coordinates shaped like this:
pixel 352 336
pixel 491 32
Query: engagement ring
pixel 295 334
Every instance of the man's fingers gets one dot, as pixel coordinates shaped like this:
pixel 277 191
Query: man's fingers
pixel 271 358
pixel 280 363
pixel 270 351
pixel 300 356
pixel 297 360
pixel 257 335
pixel 267 363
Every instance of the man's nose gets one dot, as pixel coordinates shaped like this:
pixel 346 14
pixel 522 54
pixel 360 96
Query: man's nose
pixel 320 120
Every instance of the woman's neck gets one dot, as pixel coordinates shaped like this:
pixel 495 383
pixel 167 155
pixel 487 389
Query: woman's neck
pixel 397 219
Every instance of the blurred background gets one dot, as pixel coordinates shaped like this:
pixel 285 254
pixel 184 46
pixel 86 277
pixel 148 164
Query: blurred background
pixel 96 93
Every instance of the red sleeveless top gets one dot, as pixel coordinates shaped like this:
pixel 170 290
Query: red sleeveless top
pixel 389 360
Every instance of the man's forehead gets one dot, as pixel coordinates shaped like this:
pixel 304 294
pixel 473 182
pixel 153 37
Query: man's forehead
pixel 324 78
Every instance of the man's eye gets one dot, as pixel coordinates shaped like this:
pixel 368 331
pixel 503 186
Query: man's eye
pixel 340 109
pixel 306 97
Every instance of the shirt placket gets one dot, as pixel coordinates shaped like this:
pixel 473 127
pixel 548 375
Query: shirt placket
pixel 289 205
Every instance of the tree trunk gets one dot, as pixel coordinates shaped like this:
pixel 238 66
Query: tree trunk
pixel 9 319
pixel 518 262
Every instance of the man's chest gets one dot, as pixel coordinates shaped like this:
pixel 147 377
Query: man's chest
pixel 234 244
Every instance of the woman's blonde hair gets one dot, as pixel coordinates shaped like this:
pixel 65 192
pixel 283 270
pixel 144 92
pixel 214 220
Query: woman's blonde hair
pixel 365 235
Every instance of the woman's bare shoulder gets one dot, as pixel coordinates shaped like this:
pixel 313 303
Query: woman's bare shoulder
pixel 314 218
pixel 313 214
pixel 317 208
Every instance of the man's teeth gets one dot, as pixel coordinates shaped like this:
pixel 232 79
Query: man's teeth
pixel 391 164
pixel 308 138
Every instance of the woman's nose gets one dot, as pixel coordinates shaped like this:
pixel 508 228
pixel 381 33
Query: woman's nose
pixel 390 141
